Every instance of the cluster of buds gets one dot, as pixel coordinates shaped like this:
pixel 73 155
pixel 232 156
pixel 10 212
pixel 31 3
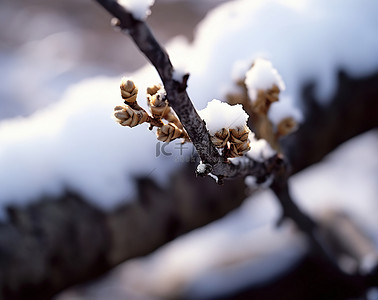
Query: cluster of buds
pixel 227 126
pixel 257 98
pixel 158 104
pixel 230 135
pixel 232 142
pixel 131 114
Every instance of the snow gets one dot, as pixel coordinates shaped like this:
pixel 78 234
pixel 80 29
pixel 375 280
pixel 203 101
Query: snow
pixel 245 248
pixel 227 254
pixel 179 73
pixel 284 108
pixel 74 144
pixel 260 150
pixel 346 181
pixel 239 70
pixel 218 115
pixel 140 9
pixel 201 168
pixel 214 177
pixel 262 76
pixel 306 41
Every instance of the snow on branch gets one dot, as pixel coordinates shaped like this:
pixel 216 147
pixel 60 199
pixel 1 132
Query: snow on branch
pixel 260 90
pixel 262 76
pixel 257 96
pixel 227 126
pixel 180 102
pixel 139 8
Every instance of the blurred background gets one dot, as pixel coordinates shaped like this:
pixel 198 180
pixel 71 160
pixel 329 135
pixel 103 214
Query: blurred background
pixel 46 46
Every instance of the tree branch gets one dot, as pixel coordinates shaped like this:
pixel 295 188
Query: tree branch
pixel 180 101
pixel 54 243
pixel 196 129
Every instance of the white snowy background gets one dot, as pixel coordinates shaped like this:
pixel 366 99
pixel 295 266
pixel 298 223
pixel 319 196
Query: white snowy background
pixel 59 82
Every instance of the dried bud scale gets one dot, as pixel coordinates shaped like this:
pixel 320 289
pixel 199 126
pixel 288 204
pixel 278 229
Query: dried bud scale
pixel 126 116
pixel 220 138
pixel 169 132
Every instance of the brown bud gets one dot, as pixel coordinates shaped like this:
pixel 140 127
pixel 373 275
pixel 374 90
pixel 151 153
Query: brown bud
pixel 127 116
pixel 265 98
pixel 160 111
pixel 239 135
pixel 220 138
pixel 169 132
pixel 129 91
pixel 239 142
pixel 157 102
pixel 237 150
pixel 153 89
pixel 286 126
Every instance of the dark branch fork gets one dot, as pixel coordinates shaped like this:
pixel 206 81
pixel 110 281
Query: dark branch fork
pixel 196 129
